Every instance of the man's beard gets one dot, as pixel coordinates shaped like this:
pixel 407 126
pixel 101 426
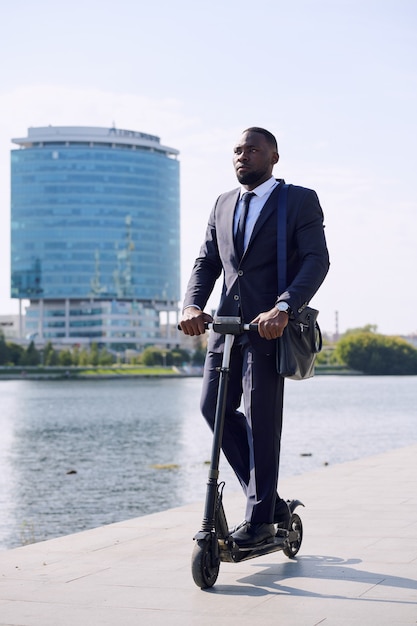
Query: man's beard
pixel 248 178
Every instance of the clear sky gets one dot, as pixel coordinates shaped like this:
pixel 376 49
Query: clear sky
pixel 335 81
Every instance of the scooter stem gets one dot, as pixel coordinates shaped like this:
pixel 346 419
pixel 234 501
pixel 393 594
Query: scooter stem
pixel 211 496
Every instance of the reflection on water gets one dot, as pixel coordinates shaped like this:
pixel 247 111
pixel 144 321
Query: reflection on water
pixel 80 454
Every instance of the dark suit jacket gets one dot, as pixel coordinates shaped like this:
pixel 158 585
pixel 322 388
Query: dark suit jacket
pixel 250 286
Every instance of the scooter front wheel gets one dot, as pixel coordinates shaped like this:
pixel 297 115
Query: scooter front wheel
pixel 296 536
pixel 205 564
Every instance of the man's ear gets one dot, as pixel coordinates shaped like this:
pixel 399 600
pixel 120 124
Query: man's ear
pixel 275 158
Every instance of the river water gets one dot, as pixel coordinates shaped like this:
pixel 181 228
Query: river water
pixel 80 454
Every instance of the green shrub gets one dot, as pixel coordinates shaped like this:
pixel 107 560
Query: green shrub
pixel 372 353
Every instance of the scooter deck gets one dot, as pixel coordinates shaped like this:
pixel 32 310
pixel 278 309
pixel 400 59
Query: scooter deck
pixel 231 553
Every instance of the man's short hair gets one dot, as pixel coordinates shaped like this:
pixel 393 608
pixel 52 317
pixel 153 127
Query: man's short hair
pixel 268 136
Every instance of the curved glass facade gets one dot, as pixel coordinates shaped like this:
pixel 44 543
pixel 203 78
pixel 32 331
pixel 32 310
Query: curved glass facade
pixel 94 216
pixel 95 221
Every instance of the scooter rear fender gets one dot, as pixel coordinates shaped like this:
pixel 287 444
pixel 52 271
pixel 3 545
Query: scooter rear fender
pixel 293 504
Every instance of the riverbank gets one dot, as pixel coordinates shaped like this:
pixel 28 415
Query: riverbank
pixel 126 371
pixel 354 565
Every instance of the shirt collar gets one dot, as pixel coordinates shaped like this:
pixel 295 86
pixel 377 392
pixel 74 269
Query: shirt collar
pixel 262 189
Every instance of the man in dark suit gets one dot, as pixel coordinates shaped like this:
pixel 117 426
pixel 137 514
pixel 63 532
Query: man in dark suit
pixel 251 440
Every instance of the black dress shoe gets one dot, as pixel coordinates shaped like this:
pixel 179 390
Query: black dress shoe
pixel 237 527
pixel 253 535
pixel 282 514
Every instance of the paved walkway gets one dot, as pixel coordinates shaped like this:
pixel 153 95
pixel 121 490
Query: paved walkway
pixel 357 564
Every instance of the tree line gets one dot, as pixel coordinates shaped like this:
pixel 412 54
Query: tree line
pixel 13 354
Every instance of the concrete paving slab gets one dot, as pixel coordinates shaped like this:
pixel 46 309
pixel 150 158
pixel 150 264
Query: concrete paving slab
pixel 357 564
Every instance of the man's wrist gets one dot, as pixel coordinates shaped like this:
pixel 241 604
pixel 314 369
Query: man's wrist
pixel 284 306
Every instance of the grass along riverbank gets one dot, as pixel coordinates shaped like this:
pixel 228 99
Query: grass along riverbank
pixel 121 371
pixel 55 372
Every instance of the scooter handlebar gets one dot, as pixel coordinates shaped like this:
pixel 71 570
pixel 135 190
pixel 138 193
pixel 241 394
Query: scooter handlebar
pixel 228 326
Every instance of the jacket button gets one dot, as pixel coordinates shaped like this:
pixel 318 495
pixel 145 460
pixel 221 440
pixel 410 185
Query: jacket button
pixel 236 297
pixel 240 273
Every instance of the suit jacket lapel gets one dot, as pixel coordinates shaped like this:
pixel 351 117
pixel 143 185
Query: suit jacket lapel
pixel 231 213
pixel 229 219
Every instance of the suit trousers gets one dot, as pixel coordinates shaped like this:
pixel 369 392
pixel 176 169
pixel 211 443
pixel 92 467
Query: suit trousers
pixel 251 439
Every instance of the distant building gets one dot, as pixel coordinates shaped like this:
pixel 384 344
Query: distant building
pixel 95 234
pixel 9 326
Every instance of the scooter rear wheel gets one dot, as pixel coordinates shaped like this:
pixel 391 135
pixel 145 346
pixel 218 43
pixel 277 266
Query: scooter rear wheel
pixel 296 526
pixel 204 564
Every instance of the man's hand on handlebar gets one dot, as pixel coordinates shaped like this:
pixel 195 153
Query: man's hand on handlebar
pixel 271 324
pixel 192 322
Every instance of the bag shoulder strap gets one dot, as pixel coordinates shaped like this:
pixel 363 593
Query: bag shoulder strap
pixel 282 237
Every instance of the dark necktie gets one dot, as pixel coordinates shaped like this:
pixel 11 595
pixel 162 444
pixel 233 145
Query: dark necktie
pixel 240 233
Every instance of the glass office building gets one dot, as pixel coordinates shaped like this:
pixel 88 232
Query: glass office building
pixel 95 234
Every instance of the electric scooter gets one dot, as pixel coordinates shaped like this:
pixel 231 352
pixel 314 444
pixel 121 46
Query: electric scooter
pixel 214 542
